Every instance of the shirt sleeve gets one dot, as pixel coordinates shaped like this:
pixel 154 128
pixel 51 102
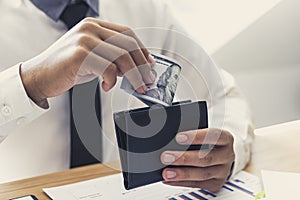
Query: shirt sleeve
pixel 238 121
pixel 16 108
pixel 228 109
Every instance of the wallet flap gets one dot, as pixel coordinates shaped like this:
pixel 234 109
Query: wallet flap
pixel 143 134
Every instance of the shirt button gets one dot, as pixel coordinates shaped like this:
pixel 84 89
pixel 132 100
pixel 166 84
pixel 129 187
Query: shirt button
pixel 6 110
pixel 21 120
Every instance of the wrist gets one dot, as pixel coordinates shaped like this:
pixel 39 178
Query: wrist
pixel 30 84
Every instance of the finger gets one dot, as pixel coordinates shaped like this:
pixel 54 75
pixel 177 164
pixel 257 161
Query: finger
pixel 195 173
pixel 125 38
pixel 130 45
pixel 205 136
pixel 143 66
pixel 109 77
pixel 120 57
pixel 213 185
pixel 151 60
pixel 88 25
pixel 126 31
pixel 99 66
pixel 201 158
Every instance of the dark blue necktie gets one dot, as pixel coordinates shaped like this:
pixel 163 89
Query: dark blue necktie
pixel 80 155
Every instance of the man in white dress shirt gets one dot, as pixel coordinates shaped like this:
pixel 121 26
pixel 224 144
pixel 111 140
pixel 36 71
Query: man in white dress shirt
pixel 35 72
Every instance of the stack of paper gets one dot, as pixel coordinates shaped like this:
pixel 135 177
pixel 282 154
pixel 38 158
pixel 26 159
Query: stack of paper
pixel 244 186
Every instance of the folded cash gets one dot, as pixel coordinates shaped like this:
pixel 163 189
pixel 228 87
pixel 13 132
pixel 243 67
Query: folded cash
pixel 163 89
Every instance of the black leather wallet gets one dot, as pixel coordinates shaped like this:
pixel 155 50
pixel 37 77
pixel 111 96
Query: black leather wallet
pixel 143 134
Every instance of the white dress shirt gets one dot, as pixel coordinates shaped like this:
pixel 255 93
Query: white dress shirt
pixel 34 141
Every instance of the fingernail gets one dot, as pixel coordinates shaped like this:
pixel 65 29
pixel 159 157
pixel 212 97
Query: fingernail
pixel 181 138
pixel 144 88
pixel 152 77
pixel 171 174
pixel 169 158
pixel 141 89
pixel 151 59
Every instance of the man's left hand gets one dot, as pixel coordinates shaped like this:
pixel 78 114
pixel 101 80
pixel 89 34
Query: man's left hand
pixel 207 168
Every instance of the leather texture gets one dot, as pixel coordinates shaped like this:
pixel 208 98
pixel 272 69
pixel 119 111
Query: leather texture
pixel 143 134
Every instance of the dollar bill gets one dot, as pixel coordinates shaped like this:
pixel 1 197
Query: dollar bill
pixel 162 90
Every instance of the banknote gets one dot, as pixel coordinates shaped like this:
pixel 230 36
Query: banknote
pixel 162 90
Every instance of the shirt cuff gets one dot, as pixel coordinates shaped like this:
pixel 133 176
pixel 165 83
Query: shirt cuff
pixel 16 108
pixel 242 150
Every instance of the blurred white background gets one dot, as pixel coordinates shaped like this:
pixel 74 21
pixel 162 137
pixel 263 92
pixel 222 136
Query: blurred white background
pixel 256 41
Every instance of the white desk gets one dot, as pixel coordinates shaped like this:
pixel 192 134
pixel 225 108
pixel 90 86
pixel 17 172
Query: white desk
pixel 276 148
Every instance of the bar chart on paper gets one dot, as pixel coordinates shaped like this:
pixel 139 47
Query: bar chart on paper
pixel 244 186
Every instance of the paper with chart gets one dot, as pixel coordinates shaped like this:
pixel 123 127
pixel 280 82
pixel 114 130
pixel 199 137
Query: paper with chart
pixel 243 186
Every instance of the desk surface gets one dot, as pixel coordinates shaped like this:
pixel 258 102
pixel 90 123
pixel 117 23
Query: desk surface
pixel 274 148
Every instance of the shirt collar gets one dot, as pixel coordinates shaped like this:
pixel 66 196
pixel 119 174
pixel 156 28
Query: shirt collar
pixel 94 5
pixel 54 8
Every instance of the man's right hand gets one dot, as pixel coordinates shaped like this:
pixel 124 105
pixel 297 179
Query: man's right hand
pixel 91 49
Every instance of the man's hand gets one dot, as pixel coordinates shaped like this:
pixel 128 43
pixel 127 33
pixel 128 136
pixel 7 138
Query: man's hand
pixel 91 49
pixel 206 169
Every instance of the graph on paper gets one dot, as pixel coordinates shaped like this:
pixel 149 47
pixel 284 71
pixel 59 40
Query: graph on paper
pixel 243 186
